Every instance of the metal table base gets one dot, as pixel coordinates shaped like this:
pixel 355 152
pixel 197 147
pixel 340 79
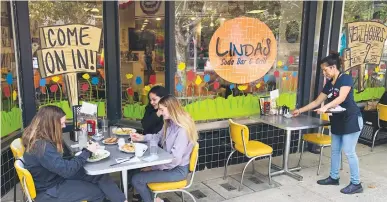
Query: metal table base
pixel 285 162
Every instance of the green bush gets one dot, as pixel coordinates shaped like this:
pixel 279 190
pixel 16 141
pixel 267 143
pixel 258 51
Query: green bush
pixel 11 121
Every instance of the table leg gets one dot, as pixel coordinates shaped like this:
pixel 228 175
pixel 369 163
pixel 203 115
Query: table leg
pixel 299 140
pixel 286 158
pixel 124 179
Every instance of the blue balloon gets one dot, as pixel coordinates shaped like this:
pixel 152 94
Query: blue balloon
pixel 179 87
pixel 232 86
pixel 95 80
pixel 286 68
pixel 42 82
pixel 9 79
pixel 266 78
pixel 294 74
pixel 138 80
pixel 207 78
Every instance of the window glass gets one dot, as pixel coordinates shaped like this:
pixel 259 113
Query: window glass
pixel 10 110
pixel 67 49
pixel 142 53
pixel 366 59
pixel 206 91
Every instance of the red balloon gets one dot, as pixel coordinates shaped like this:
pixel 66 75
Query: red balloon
pixel 191 75
pixel 216 85
pixel 6 91
pixel 152 79
pixel 383 66
pixel 276 74
pixel 291 60
pixel 85 87
pixel 54 88
pixel 130 91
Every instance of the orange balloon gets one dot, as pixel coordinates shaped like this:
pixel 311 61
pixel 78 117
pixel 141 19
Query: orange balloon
pixel 242 50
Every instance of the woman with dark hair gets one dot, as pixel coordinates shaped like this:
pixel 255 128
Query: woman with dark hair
pixel 345 126
pixel 152 122
pixel 57 179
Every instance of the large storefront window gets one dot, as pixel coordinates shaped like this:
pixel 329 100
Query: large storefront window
pixel 142 52
pixel 364 47
pixel 67 49
pixel 11 116
pixel 265 34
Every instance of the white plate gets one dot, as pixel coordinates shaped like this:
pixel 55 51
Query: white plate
pixel 118 129
pixel 135 145
pixel 337 109
pixel 100 152
pixel 103 141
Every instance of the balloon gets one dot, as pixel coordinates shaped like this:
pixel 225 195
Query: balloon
pixel 179 87
pixel 138 80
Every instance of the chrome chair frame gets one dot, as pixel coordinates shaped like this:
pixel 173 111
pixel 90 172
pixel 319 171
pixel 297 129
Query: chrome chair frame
pixel 322 146
pixel 377 131
pixel 252 158
pixel 182 190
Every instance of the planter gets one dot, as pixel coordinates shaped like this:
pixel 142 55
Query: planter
pixel 369 94
pixel 11 121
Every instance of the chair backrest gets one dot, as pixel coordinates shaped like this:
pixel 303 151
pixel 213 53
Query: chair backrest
pixel 17 148
pixel 382 112
pixel 236 131
pixel 325 117
pixel 194 158
pixel 193 161
pixel 26 179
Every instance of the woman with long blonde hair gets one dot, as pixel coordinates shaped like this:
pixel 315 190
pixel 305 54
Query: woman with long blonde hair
pixel 178 137
pixel 57 179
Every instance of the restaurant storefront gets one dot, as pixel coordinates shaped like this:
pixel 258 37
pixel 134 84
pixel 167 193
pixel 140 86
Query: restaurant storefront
pixel 138 44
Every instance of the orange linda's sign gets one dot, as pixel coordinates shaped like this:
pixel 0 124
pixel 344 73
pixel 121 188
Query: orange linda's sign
pixel 242 50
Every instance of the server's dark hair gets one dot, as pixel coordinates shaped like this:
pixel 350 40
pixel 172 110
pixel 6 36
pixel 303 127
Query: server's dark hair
pixel 333 59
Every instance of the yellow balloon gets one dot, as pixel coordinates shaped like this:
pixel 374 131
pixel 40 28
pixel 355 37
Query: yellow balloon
pixel 279 63
pixel 129 76
pixel 181 66
pixel 55 79
pixel 377 69
pixel 242 87
pixel 147 88
pixel 198 80
pixel 86 76
pixel 14 95
pixel 381 76
pixel 283 78
pixel 258 85
pixel 366 77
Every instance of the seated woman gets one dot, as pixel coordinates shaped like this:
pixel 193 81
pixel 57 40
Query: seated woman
pixel 57 179
pixel 177 137
pixel 152 122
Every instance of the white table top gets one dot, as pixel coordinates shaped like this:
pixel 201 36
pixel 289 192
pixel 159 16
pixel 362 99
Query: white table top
pixel 103 166
pixel 295 123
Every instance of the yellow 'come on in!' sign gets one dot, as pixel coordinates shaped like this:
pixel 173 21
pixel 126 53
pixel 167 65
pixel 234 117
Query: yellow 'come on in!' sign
pixel 242 50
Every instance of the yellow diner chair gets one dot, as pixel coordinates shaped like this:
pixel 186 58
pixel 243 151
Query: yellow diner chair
pixel 240 141
pixel 164 187
pixel 319 139
pixel 382 116
pixel 17 149
pixel 26 180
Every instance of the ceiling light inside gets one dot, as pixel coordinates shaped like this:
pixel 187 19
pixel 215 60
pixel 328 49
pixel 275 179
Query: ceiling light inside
pixel 158 19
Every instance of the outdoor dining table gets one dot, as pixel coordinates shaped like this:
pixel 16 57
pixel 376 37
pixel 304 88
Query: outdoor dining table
pixel 104 166
pixel 300 122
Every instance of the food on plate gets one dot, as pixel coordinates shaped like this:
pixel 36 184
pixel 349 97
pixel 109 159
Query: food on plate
pixel 96 156
pixel 124 131
pixel 110 140
pixel 128 147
